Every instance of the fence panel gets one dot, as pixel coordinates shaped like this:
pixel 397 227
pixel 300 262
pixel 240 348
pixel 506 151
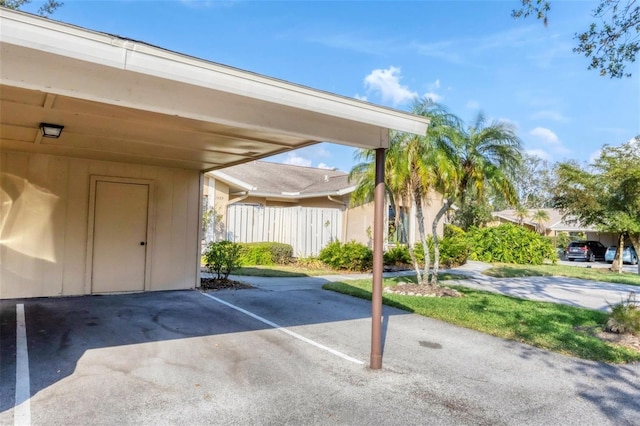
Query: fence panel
pixel 306 229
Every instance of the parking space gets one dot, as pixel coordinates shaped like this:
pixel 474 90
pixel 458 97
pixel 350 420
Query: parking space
pixel 296 356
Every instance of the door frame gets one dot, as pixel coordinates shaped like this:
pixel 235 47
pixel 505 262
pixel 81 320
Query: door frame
pixel 88 287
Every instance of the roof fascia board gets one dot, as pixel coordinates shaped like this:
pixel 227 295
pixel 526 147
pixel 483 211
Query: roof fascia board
pixel 232 181
pixel 102 49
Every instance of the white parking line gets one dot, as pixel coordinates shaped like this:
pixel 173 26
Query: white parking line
pixel 22 408
pixel 286 331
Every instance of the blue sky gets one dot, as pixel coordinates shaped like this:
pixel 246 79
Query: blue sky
pixel 470 56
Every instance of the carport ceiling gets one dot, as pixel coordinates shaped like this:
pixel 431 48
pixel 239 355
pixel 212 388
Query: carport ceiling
pixel 123 100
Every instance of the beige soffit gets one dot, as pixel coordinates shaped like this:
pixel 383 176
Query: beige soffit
pixel 136 102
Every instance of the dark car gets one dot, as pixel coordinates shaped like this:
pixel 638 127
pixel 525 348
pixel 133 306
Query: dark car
pixel 586 250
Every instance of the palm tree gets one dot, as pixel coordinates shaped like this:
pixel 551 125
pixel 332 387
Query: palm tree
pixel 521 213
pixel 540 217
pixel 412 166
pixel 485 156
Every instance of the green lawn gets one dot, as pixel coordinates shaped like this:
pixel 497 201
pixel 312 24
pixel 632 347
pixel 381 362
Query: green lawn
pixel 595 274
pixel 283 271
pixel 550 326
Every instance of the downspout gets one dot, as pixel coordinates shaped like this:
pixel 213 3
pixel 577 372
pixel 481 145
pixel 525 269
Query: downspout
pixel 243 195
pixel 330 198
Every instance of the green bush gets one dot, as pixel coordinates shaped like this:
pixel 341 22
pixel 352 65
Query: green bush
pixel 509 243
pixel 398 255
pixel 625 316
pixel 454 249
pixel 351 256
pixel 265 253
pixel 221 258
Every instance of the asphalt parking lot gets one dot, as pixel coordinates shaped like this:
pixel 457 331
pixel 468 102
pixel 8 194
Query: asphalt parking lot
pixel 293 356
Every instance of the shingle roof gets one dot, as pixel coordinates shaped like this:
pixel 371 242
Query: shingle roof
pixel 555 221
pixel 286 179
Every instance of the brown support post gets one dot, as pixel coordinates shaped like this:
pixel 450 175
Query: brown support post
pixel 378 235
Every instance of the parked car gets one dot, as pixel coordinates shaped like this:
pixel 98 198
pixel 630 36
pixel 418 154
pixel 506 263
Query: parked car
pixel 586 250
pixel 629 255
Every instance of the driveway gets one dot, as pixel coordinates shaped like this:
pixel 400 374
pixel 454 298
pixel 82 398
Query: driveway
pixel 598 264
pixel 297 355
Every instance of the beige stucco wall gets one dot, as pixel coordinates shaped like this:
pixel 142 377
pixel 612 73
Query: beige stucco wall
pixel 359 221
pixel 358 224
pixel 44 220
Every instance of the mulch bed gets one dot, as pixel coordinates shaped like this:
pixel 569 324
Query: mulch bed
pixel 410 289
pixel 222 284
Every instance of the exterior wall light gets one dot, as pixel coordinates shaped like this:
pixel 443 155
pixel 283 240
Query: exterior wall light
pixel 51 130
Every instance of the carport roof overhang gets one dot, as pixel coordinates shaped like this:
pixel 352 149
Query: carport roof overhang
pixel 123 100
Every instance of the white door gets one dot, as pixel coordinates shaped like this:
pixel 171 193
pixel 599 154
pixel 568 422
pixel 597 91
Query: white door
pixel 119 237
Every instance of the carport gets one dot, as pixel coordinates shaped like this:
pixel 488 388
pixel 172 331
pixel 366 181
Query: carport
pixel 113 204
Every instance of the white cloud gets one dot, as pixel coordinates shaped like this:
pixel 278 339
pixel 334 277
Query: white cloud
pixel 473 105
pixel 549 115
pixel 540 153
pixel 324 166
pixel 360 98
pixel 387 84
pixel 545 136
pixel 433 96
pixel 296 160
pixel 431 93
pixel 548 138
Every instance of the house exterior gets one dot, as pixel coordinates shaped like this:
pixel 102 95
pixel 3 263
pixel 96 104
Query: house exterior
pixel 305 207
pixel 113 204
pixel 554 226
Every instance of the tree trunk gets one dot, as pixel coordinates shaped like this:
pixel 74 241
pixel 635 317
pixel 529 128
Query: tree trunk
pixel 436 244
pixel 423 237
pixel 635 242
pixel 414 262
pixel 616 266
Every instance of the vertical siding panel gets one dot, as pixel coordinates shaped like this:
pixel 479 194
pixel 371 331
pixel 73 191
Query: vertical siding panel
pixel 178 225
pixel 13 263
pixel 75 243
pixel 58 176
pixel 193 230
pixel 36 266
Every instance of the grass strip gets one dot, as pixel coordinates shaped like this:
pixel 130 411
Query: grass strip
pixel 282 271
pixel 593 274
pixel 559 328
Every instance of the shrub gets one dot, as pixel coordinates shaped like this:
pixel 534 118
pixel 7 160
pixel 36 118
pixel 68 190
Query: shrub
pixel 221 258
pixel 398 255
pixel 454 249
pixel 625 316
pixel 351 256
pixel 265 253
pixel 509 243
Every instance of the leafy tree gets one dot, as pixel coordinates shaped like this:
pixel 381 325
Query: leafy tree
pixel 412 166
pixel 607 195
pixel 534 180
pixel 47 8
pixel 482 158
pixel 611 43
pixel 476 212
